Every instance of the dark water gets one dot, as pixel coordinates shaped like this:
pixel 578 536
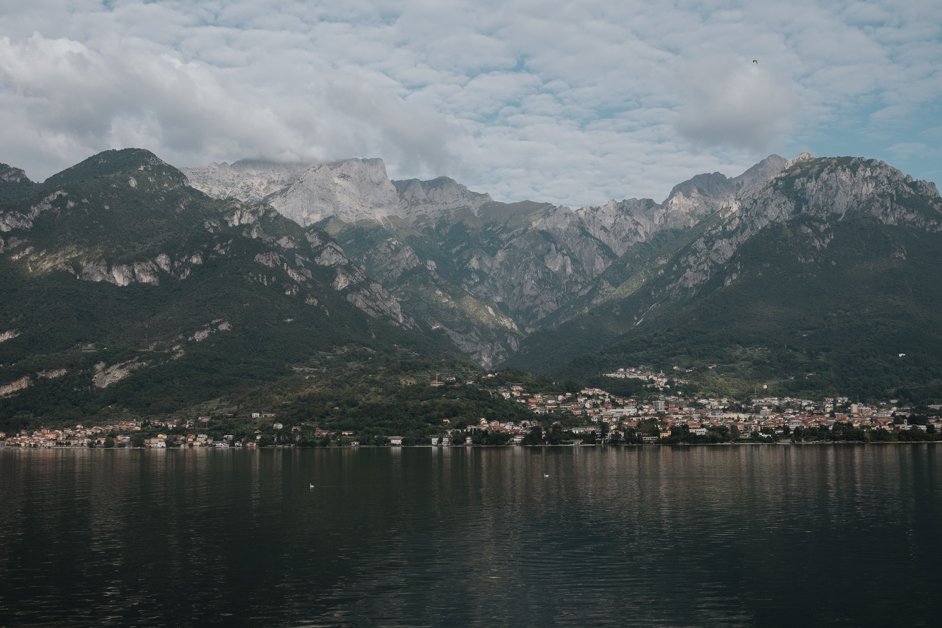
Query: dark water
pixel 770 535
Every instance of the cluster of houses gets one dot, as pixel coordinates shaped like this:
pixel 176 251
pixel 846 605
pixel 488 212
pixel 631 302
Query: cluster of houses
pixel 591 414
pixel 767 417
pixel 78 436
pixel 121 434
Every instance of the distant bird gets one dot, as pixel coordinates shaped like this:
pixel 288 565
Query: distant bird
pixel 756 61
pixel 310 487
pixel 546 475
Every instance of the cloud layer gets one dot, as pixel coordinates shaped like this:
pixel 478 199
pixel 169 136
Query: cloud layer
pixel 574 104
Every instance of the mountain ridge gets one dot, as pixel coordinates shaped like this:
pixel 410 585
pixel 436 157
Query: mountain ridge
pixel 540 265
pixel 127 289
pixel 699 278
pixel 838 215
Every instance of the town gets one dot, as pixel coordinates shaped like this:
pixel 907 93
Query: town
pixel 591 416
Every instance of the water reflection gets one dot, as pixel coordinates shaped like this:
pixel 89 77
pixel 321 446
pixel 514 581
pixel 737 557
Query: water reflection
pixel 656 535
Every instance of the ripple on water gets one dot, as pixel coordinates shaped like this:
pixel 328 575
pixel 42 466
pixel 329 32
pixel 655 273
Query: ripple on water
pixel 697 536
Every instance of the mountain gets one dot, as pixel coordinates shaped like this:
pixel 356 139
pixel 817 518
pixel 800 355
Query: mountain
pixel 418 198
pixel 348 190
pixel 132 284
pixel 483 273
pixel 13 182
pixel 247 180
pixel 822 279
pixel 127 290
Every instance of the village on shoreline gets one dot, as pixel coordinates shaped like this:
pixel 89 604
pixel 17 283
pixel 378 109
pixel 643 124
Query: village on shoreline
pixel 591 416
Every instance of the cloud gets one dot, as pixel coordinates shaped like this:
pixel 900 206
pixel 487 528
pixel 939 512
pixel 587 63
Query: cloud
pixel 106 97
pixel 735 102
pixel 119 95
pixel 592 100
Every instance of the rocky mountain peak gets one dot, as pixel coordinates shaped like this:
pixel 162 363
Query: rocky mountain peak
pixel 804 156
pixel 13 182
pixel 843 185
pixel 760 174
pixel 9 174
pixel 347 190
pixel 707 184
pixel 441 194
pixel 249 180
pixel 826 190
pixel 351 190
pixel 696 198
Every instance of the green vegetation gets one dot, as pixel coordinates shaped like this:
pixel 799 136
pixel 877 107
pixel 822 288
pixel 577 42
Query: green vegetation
pixel 226 309
pixel 794 318
pixel 204 336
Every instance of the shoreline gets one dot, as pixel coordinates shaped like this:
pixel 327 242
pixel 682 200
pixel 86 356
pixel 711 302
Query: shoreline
pixel 466 447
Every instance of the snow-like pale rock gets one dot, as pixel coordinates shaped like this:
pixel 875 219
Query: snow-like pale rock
pixel 11 388
pixel 9 335
pixel 351 190
pixel 105 375
pixel 246 180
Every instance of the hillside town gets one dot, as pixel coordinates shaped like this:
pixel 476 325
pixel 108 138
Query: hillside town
pixel 591 416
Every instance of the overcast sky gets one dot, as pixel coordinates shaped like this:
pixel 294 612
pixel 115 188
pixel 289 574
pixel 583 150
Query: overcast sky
pixel 572 103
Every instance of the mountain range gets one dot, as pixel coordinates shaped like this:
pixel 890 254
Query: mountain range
pixel 127 278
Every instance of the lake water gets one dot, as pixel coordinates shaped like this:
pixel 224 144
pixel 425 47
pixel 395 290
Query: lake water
pixel 771 535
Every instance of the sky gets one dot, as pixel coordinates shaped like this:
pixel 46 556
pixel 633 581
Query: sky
pixel 570 103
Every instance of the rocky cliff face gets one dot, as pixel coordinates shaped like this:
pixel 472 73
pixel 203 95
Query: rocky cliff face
pixel 828 190
pixel 417 198
pixel 246 180
pixel 107 244
pixel 820 277
pixel 487 274
pixel 116 273
pixel 427 257
pixel 350 190
pixel 526 262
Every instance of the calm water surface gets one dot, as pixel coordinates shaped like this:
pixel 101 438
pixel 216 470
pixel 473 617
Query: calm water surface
pixel 770 535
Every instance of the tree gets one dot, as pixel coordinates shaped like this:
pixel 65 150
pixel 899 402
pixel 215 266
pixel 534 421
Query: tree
pixel 555 434
pixel 534 436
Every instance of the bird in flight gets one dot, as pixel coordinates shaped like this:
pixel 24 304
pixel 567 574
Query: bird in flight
pixel 756 61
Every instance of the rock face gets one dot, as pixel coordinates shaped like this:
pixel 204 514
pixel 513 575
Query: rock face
pixel 247 180
pixel 826 190
pixel 350 190
pixel 11 388
pixel 13 182
pixel 417 198
pixel 433 256
pixel 9 174
pixel 10 334
pixel 530 263
pixel 119 278
pixel 105 375
pixel 811 272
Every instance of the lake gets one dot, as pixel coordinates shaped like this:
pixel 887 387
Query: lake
pixel 733 535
